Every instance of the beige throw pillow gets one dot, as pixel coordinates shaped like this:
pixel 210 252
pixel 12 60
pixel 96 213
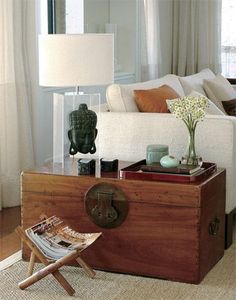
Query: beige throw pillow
pixel 195 81
pixel 219 89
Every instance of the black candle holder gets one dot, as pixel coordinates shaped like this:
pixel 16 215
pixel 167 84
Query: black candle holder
pixel 109 165
pixel 86 166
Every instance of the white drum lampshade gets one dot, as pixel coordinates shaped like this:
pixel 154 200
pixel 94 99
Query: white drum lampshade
pixel 76 59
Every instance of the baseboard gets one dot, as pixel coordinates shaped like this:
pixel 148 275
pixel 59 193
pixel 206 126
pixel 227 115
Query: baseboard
pixel 7 262
pixel 229 220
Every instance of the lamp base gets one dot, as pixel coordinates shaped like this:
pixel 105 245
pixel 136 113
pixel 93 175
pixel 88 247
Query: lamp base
pixel 63 105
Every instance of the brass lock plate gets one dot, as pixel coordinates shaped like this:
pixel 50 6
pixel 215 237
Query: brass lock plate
pixel 106 205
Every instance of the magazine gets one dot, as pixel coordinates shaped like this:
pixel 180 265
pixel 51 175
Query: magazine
pixel 56 239
pixel 180 169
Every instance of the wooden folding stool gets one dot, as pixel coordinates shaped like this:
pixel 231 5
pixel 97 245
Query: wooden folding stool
pixel 51 266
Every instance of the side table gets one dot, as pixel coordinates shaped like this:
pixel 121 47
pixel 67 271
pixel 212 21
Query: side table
pixel 173 231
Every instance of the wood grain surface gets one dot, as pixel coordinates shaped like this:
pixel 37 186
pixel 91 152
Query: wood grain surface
pixel 164 235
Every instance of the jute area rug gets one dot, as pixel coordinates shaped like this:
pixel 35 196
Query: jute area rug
pixel 220 283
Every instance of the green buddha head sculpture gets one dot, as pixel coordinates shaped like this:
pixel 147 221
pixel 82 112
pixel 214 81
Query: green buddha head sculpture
pixel 83 132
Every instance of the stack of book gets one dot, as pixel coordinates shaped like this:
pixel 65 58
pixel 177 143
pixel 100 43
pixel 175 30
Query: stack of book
pixel 183 173
pixel 182 169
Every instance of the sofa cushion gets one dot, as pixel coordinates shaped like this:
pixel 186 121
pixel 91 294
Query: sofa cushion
pixel 219 89
pixel 120 98
pixel 195 82
pixel 230 107
pixel 154 100
pixel 212 109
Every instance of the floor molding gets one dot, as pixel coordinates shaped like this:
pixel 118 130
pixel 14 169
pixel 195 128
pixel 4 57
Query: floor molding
pixel 7 262
pixel 229 221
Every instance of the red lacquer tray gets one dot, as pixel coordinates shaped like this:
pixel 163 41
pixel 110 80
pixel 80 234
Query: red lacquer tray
pixel 133 172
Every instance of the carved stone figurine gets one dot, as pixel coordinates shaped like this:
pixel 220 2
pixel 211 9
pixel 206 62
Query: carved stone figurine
pixel 83 132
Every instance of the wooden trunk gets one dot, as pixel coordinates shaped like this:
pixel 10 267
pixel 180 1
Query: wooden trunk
pixel 165 234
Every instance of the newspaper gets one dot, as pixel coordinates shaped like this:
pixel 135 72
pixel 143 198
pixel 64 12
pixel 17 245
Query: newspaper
pixel 55 239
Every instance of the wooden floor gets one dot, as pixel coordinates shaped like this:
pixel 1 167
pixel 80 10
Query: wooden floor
pixel 10 243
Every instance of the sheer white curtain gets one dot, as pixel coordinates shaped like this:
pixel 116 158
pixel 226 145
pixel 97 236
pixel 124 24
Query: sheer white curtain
pixel 196 36
pixel 16 148
pixel 150 37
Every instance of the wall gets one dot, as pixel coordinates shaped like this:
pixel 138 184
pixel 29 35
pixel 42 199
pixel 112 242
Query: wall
pixel 96 15
pixel 123 13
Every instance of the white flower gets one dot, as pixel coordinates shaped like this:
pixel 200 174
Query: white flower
pixel 190 109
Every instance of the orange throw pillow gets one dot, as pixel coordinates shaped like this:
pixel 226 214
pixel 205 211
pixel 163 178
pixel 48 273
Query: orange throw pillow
pixel 154 100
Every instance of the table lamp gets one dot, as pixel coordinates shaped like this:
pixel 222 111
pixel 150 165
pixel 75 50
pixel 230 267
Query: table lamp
pixel 67 60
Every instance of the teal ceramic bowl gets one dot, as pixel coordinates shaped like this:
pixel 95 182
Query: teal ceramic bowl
pixel 169 161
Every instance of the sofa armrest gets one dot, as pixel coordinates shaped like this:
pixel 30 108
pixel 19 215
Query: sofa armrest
pixel 126 135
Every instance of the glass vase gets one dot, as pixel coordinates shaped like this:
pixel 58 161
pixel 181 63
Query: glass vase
pixel 191 158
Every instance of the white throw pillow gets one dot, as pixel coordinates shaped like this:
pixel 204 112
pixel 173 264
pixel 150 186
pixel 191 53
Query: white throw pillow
pixel 219 89
pixel 212 109
pixel 120 98
pixel 195 81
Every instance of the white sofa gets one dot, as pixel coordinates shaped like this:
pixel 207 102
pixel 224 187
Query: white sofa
pixel 124 133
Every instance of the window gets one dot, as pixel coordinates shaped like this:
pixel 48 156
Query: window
pixel 65 16
pixel 74 16
pixel 228 38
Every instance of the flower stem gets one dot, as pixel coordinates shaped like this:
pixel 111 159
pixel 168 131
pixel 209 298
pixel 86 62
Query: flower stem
pixel 192 157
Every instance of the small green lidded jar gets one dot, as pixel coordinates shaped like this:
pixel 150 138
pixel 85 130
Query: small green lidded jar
pixel 155 153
